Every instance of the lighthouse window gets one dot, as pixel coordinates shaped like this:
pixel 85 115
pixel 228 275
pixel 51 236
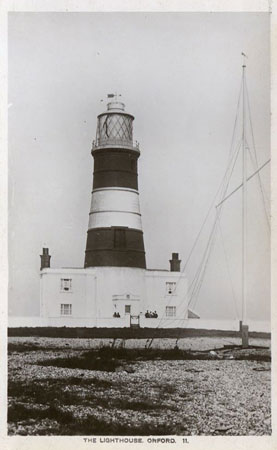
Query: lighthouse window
pixel 127 309
pixel 170 287
pixel 66 284
pixel 119 239
pixel 66 309
pixel 170 311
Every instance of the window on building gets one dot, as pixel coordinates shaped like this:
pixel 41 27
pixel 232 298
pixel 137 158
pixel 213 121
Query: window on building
pixel 170 311
pixel 119 239
pixel 127 309
pixel 170 287
pixel 66 284
pixel 66 309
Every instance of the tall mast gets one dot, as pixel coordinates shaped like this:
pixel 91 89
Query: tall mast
pixel 244 196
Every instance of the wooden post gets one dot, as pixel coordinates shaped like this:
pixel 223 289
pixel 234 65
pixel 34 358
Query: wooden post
pixel 244 336
pixel 240 325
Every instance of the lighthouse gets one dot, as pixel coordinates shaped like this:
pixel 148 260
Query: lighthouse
pixel 114 288
pixel 115 236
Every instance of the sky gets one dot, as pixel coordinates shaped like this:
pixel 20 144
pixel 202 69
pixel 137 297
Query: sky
pixel 179 74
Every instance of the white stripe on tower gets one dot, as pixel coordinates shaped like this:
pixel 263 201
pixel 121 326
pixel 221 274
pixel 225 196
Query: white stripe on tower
pixel 115 207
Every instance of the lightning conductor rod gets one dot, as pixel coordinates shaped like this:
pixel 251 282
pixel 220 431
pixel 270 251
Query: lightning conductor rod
pixel 244 195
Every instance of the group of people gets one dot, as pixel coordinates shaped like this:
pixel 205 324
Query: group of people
pixel 151 314
pixel 148 314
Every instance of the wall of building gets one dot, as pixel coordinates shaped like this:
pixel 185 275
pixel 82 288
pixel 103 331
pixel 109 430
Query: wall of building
pixel 92 296
pixel 35 321
pixel 80 295
pixel 117 287
pixel 159 297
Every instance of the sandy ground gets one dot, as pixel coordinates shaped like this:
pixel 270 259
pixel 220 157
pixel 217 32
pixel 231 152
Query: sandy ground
pixel 194 343
pixel 212 397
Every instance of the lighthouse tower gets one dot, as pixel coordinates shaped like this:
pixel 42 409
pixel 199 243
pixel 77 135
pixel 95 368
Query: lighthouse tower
pixel 115 236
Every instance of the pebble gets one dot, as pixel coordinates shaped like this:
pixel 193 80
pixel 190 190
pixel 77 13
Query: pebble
pixel 194 397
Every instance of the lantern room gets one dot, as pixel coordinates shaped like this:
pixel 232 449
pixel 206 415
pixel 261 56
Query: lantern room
pixel 114 127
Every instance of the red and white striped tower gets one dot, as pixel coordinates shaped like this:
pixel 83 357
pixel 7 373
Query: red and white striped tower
pixel 115 236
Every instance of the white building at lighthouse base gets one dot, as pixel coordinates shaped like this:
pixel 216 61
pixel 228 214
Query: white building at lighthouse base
pixel 113 297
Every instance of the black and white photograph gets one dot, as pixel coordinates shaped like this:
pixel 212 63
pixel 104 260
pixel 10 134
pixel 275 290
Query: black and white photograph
pixel 139 224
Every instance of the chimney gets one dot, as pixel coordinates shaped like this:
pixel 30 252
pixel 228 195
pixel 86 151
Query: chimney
pixel 175 263
pixel 45 259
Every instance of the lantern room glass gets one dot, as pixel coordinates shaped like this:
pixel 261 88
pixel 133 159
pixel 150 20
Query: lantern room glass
pixel 115 129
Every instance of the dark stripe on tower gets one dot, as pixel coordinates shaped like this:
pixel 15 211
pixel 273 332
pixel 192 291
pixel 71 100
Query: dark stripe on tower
pixel 115 246
pixel 115 168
